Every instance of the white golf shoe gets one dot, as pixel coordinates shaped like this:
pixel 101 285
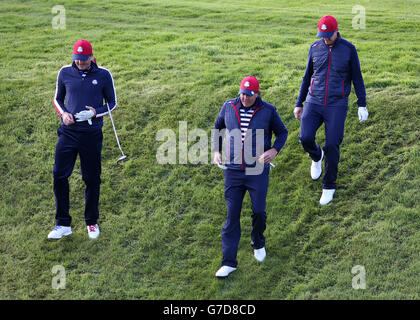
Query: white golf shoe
pixel 224 271
pixel 327 196
pixel 93 231
pixel 59 231
pixel 316 167
pixel 260 254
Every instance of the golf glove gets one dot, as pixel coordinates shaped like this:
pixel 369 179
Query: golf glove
pixel 363 114
pixel 85 115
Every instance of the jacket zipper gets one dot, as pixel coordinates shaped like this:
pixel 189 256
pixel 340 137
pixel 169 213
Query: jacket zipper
pixel 328 75
pixel 343 88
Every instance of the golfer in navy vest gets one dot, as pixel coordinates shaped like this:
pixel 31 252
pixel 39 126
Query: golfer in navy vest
pixel 333 65
pixel 247 123
pixel 82 92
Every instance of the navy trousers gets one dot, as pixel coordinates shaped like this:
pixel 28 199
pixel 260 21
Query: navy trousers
pixel 334 118
pixel 236 185
pixel 89 146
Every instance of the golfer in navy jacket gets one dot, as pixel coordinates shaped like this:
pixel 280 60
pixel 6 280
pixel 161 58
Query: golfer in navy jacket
pixel 82 89
pixel 332 66
pixel 248 123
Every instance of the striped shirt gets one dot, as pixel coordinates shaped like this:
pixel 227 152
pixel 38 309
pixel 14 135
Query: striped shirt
pixel 246 115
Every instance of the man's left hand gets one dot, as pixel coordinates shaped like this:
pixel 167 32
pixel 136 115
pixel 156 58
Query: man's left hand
pixel 92 109
pixel 268 156
pixel 363 114
pixel 86 115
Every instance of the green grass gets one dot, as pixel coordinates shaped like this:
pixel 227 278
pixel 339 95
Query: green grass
pixel 179 61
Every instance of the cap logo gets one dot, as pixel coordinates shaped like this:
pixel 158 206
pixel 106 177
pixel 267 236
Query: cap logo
pixel 324 27
pixel 246 84
pixel 80 49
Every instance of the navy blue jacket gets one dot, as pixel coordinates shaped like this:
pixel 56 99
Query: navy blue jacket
pixel 329 73
pixel 265 117
pixel 75 91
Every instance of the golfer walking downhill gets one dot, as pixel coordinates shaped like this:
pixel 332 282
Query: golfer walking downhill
pixel 249 123
pixel 333 64
pixel 82 89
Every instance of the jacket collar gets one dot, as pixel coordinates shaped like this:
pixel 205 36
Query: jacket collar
pixel 338 38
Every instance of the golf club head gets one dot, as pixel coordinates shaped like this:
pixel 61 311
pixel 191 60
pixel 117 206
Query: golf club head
pixel 122 158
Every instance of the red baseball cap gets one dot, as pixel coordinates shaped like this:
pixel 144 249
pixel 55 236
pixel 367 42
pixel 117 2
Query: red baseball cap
pixel 82 49
pixel 326 27
pixel 249 86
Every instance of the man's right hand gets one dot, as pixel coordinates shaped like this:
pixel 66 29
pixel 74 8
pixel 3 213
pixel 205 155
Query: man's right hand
pixel 298 112
pixel 217 158
pixel 67 118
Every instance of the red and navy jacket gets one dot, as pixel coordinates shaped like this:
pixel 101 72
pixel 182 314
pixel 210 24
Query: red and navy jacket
pixel 75 90
pixel 265 118
pixel 329 73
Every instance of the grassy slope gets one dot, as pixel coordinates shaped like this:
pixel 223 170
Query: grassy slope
pixel 178 61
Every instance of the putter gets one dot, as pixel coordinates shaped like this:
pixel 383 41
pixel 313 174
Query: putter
pixel 123 156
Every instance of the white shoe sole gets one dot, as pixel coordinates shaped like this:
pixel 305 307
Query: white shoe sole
pixel 325 202
pixel 94 235
pixel 63 235
pixel 224 275
pixel 259 259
